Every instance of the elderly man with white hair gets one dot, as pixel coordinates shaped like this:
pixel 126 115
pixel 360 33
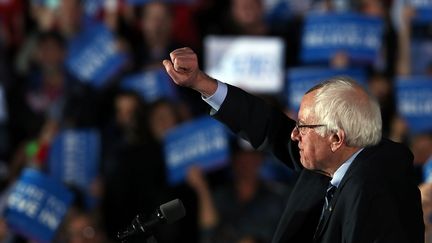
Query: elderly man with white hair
pixel 353 185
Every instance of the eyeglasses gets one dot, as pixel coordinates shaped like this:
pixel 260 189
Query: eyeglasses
pixel 301 127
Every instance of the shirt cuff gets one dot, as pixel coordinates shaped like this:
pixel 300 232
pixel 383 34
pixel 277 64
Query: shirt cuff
pixel 215 101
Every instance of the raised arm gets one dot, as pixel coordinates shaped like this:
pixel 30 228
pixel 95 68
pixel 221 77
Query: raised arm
pixel 246 115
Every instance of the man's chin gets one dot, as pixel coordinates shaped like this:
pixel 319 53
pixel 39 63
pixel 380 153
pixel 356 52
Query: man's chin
pixel 307 165
pixel 314 169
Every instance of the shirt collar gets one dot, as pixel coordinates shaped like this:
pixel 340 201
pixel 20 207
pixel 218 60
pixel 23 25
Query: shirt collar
pixel 341 171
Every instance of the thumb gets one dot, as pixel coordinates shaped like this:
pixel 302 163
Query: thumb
pixel 175 76
pixel 168 66
pixel 170 69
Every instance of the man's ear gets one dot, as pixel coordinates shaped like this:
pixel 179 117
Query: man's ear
pixel 337 139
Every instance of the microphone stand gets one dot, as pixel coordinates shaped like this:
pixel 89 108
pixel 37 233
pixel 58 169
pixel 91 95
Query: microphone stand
pixel 150 239
pixel 166 213
pixel 137 226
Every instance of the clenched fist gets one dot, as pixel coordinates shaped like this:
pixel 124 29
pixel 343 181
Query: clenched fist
pixel 183 69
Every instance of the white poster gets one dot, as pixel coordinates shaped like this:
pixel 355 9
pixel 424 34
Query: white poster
pixel 255 64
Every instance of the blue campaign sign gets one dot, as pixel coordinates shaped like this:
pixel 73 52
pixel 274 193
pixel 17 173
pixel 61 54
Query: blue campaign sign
pixel 358 36
pixel 151 85
pixel 414 102
pixel 282 10
pixel 93 56
pixel 277 10
pixel 300 80
pixel 423 11
pixel 36 206
pixel 92 7
pixel 74 157
pixel 421 55
pixel 202 142
pixel 427 170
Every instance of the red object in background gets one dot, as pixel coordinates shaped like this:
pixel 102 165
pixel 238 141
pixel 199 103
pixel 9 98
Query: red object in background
pixel 184 28
pixel 42 154
pixel 12 21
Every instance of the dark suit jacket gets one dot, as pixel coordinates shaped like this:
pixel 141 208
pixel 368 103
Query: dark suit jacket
pixel 377 200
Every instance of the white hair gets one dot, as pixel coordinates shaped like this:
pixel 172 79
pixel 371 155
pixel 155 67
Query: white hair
pixel 341 104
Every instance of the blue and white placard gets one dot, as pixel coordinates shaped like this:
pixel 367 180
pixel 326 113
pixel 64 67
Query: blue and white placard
pixel 36 206
pixel 75 157
pixel 358 36
pixel 423 10
pixel 300 80
pixel 414 102
pixel 421 55
pixel 427 170
pixel 202 142
pixel 151 85
pixel 252 63
pixel 93 56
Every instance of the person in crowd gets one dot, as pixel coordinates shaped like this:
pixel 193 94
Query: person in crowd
pixel 81 227
pixel 155 35
pixel 38 96
pixel 426 195
pixel 247 18
pixel 163 116
pixel 70 17
pixel 47 81
pixel 353 185
pixel 381 88
pixel 134 169
pixel 421 146
pixel 66 19
pixel 245 208
pixel 133 176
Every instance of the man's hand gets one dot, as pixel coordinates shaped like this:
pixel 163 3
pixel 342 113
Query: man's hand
pixel 183 69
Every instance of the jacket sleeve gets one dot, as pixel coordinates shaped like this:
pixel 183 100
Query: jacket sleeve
pixel 262 125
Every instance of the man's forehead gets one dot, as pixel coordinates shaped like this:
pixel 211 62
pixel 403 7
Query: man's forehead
pixel 306 107
pixel 305 115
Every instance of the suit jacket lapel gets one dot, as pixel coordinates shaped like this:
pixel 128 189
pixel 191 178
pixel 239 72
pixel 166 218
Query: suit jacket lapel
pixel 363 155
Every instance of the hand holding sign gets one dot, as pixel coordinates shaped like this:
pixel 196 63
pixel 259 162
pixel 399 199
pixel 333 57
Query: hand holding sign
pixel 183 69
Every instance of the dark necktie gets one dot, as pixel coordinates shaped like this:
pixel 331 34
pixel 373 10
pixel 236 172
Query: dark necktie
pixel 328 197
pixel 326 207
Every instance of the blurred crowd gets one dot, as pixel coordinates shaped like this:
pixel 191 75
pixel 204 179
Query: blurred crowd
pixel 40 97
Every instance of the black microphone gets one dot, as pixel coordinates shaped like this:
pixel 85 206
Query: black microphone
pixel 166 213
